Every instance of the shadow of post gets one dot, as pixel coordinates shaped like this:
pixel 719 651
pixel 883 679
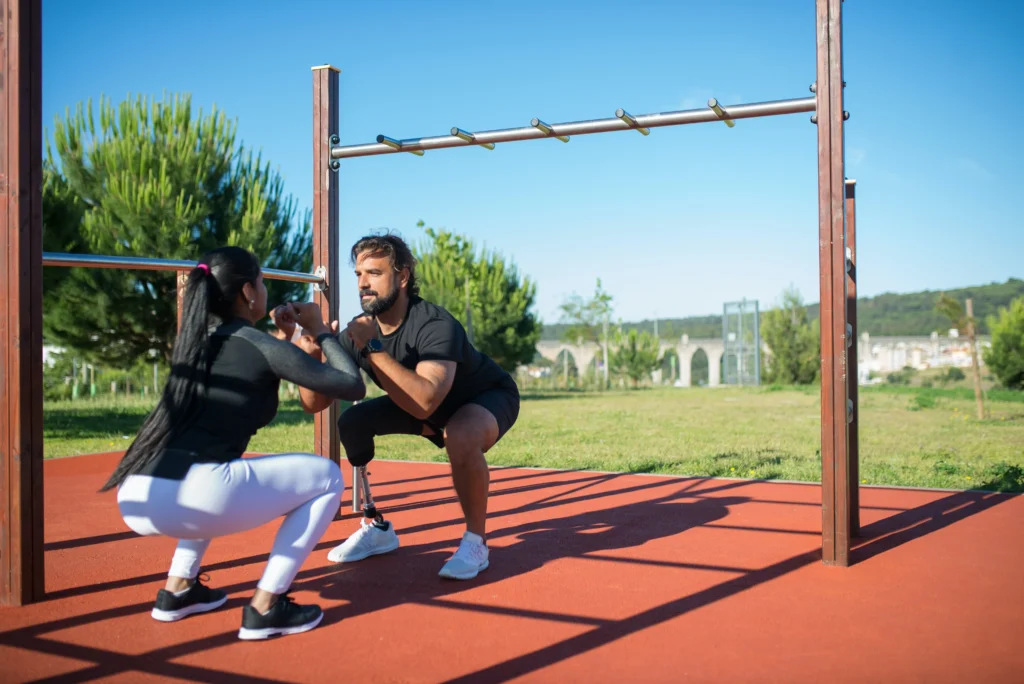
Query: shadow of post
pixel 879 537
pixel 896 530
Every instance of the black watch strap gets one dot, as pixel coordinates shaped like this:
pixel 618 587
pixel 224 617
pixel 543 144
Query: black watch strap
pixel 372 345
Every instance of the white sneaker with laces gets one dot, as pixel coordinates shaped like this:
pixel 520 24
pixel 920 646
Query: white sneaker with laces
pixel 368 540
pixel 470 558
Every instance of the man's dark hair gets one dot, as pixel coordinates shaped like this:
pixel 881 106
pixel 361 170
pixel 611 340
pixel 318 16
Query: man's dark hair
pixel 395 249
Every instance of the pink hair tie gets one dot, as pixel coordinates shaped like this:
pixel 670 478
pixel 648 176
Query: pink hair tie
pixel 204 268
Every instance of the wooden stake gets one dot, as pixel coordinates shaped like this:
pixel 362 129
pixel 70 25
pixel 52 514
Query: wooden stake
pixel 974 360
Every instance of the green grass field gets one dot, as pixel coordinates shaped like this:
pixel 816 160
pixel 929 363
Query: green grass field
pixel 909 436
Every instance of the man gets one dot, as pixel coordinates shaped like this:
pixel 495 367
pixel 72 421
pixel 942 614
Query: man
pixel 438 386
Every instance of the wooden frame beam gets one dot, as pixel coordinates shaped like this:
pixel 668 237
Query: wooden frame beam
pixel 829 116
pixel 325 233
pixel 21 291
pixel 853 438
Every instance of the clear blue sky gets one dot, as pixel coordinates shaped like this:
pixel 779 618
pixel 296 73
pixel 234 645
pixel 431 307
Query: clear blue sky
pixel 675 223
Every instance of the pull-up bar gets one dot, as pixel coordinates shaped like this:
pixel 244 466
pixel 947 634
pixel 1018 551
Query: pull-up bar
pixel 150 264
pixel 622 121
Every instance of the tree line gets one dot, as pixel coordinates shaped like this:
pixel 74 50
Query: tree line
pixel 794 338
pixel 889 314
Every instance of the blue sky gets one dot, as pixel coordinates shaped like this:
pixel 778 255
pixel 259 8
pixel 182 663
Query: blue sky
pixel 675 223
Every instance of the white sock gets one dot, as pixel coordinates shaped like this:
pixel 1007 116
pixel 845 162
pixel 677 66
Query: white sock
pixel 473 537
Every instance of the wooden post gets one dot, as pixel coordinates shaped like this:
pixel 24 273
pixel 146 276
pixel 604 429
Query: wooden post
pixel 325 233
pixel 853 374
pixel 829 116
pixel 21 292
pixel 974 360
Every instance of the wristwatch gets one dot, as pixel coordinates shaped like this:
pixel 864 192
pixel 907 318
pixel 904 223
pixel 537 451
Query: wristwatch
pixel 373 345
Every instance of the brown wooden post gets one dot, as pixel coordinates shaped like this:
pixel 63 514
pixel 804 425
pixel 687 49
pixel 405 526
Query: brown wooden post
pixel 975 365
pixel 21 292
pixel 835 475
pixel 325 232
pixel 853 374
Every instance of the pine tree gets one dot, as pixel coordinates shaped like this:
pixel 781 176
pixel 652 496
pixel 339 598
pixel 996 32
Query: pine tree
pixel 586 318
pixel 636 355
pixel 153 180
pixel 484 291
pixel 793 340
pixel 1006 355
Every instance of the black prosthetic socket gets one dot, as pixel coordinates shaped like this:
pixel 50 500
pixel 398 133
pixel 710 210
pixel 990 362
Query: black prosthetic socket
pixel 358 425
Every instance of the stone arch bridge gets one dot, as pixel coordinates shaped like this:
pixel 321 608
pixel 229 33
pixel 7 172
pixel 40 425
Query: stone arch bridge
pixel 587 353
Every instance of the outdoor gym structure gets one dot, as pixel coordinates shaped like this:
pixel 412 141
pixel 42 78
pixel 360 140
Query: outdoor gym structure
pixel 22 260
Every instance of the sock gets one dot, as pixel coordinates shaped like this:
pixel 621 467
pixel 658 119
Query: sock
pixel 184 591
pixel 473 537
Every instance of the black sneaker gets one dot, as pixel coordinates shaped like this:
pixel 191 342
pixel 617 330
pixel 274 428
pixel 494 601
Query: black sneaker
pixel 284 617
pixel 198 599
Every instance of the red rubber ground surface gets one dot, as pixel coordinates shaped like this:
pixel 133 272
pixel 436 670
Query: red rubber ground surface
pixel 593 578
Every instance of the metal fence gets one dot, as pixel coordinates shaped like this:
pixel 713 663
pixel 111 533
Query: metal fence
pixel 741 335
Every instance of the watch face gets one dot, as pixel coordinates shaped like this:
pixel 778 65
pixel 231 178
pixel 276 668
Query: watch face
pixel 374 345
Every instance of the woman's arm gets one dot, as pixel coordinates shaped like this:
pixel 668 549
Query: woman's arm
pixel 339 378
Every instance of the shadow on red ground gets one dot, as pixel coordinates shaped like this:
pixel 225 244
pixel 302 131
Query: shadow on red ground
pixel 594 577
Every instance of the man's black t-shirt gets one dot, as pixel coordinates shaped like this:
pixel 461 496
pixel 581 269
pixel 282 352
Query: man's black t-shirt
pixel 430 333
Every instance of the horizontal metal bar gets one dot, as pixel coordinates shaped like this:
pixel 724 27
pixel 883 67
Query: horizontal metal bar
pixel 148 264
pixel 564 130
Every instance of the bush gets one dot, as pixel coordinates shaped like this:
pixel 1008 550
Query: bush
pixel 1004 477
pixel 922 400
pixel 954 374
pixel 1006 355
pixel 901 377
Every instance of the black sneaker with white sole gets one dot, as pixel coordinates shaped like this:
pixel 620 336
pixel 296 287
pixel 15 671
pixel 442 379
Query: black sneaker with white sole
pixel 198 599
pixel 284 617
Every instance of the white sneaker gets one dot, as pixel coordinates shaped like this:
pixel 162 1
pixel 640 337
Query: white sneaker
pixel 469 559
pixel 368 540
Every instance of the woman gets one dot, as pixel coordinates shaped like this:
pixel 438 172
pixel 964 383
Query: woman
pixel 184 475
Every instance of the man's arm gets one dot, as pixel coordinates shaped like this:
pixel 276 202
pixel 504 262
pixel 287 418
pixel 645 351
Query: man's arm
pixel 418 392
pixel 313 402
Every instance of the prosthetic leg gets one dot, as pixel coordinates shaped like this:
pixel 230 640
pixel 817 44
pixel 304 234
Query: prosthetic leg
pixel 362 498
pixel 371 538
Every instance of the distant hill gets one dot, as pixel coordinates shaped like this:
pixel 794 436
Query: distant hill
pixel 888 314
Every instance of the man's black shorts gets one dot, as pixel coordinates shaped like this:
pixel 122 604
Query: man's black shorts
pixel 382 416
pixel 502 402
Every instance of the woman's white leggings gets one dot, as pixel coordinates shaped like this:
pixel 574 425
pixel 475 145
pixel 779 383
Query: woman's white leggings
pixel 217 499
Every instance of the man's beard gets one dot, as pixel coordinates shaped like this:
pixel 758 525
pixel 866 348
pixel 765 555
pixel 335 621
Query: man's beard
pixel 378 304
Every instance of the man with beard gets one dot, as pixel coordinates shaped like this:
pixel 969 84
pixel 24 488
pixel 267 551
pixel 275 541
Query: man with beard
pixel 438 386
